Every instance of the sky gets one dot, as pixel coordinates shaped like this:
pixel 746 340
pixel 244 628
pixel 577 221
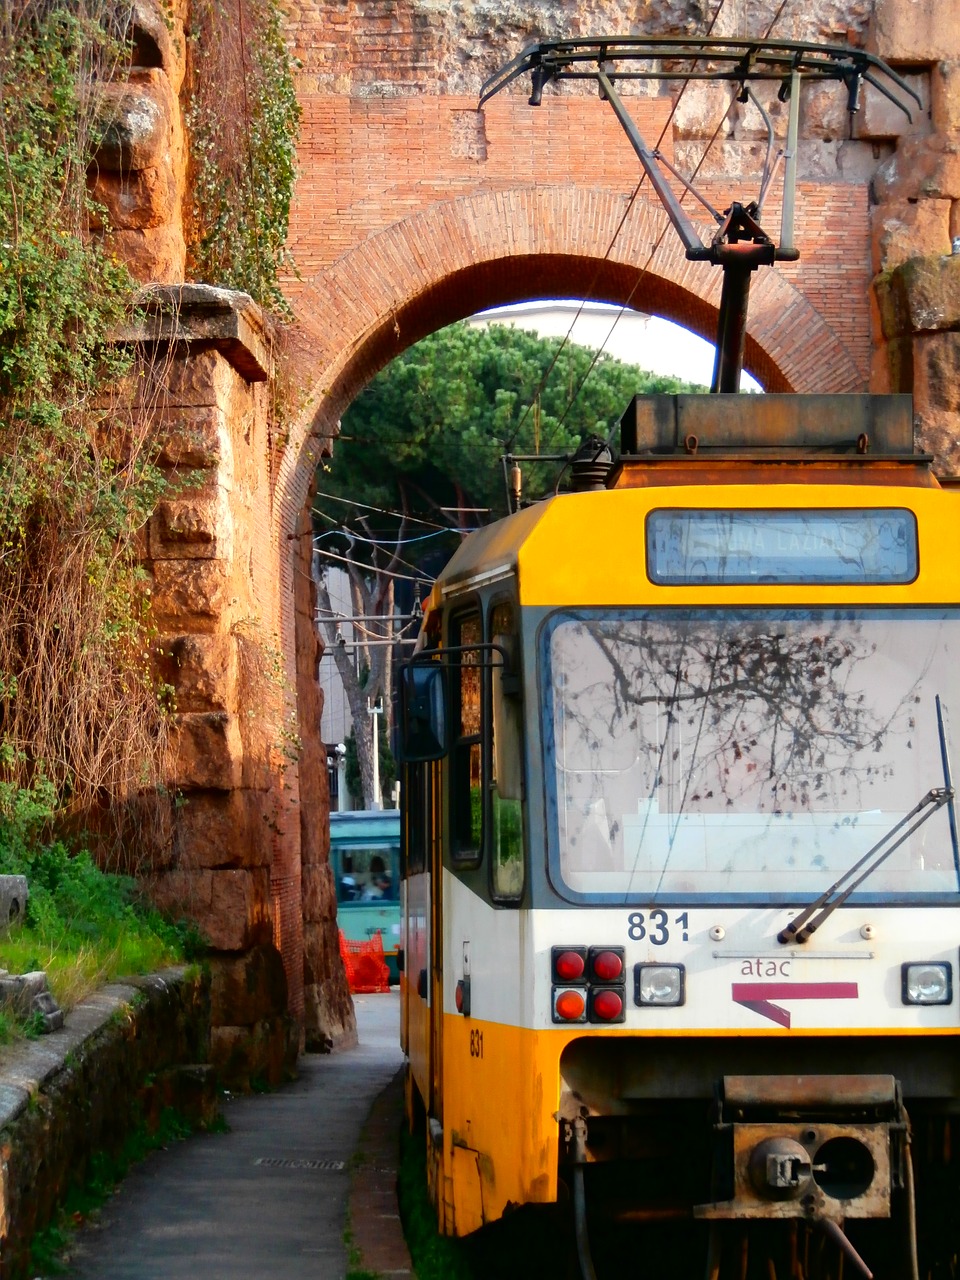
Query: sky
pixel 648 341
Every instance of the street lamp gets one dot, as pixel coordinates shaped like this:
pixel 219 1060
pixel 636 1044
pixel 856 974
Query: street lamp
pixel 375 709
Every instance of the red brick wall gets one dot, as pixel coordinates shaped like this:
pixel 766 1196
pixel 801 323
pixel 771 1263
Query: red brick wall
pixel 369 166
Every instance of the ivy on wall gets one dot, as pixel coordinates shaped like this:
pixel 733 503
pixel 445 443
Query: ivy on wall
pixel 243 119
pixel 78 709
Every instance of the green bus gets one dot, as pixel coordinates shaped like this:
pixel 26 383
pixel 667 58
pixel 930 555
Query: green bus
pixel 365 859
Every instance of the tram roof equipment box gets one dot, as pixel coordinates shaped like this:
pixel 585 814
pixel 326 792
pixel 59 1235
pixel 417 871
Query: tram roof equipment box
pixel 834 424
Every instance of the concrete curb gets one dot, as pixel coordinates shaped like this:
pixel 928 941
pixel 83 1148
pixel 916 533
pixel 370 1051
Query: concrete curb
pixel 374 1215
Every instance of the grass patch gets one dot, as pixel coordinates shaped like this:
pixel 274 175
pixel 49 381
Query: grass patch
pixel 434 1257
pixel 85 927
pixel 82 926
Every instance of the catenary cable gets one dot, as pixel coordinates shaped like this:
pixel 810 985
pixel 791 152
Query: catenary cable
pixel 643 270
pixel 620 225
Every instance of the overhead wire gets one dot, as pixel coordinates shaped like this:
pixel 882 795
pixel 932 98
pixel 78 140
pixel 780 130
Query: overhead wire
pixel 384 511
pixel 340 530
pixel 387 539
pixel 396 559
pixel 643 270
pixel 620 225
pixel 371 634
pixel 419 576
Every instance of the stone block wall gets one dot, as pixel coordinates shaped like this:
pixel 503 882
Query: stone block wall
pixel 124 1054
pixel 140 171
pixel 915 220
pixel 210 550
pixel 241 767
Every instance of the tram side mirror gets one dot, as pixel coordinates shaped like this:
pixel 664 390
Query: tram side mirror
pixel 424 700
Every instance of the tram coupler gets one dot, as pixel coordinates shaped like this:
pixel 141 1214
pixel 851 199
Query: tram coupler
pixel 819 1148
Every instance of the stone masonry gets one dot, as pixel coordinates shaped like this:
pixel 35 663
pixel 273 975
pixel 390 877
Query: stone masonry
pixel 414 209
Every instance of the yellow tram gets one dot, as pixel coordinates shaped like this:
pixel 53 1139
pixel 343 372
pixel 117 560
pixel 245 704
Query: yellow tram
pixel 680 870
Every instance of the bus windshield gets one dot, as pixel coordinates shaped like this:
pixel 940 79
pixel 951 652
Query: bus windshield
pixel 748 755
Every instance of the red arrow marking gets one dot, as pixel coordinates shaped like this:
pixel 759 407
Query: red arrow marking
pixel 758 996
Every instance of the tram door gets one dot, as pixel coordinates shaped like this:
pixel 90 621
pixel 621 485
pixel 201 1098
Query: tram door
pixel 420 870
pixel 435 945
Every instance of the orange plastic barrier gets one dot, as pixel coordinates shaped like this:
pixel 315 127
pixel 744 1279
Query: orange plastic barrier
pixel 364 964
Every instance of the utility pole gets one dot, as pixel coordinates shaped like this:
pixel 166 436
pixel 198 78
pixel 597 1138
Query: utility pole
pixel 375 709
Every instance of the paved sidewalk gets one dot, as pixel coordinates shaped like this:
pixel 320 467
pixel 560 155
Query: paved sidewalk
pixel 268 1200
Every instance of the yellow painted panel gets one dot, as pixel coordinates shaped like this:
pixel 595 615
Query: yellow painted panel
pixel 501 1093
pixel 416 1014
pixel 501 1090
pixel 467 1199
pixel 588 549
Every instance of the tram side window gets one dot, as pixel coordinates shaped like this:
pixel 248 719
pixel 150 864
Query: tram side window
pixel 506 761
pixel 467 771
pixel 416 820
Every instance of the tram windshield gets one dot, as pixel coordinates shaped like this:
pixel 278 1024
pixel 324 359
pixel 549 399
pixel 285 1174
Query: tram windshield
pixel 748 755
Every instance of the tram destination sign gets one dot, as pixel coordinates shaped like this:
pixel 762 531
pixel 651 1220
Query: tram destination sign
pixel 703 547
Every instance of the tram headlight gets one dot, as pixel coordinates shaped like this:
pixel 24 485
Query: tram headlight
pixel 926 983
pixel 658 984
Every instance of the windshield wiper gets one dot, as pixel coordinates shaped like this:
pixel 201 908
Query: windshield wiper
pixel 948 779
pixel 812 917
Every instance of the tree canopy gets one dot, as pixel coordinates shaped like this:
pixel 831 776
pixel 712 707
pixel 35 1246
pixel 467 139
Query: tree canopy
pixel 426 435
pixel 418 464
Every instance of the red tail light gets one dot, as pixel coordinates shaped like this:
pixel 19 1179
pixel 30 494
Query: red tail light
pixel 606 964
pixel 569 964
pixel 607 1005
pixel 588 984
pixel 569 1006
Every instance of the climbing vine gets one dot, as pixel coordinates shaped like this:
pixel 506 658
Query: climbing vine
pixel 78 709
pixel 243 119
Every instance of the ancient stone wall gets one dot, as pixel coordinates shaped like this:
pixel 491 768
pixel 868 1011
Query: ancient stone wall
pixel 125 1054
pixel 140 172
pixel 246 764
pixel 232 862
pixel 915 220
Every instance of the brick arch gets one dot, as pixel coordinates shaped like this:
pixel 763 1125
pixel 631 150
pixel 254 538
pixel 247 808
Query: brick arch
pixel 448 260
pixel 495 248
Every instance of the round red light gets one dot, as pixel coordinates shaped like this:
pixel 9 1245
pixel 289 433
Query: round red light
pixel 607 1005
pixel 458 997
pixel 569 1006
pixel 607 966
pixel 569 965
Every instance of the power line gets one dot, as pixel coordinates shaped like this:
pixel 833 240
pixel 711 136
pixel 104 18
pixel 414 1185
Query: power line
pixel 773 22
pixel 383 573
pixel 383 511
pixel 395 559
pixel 620 225
pixel 341 530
